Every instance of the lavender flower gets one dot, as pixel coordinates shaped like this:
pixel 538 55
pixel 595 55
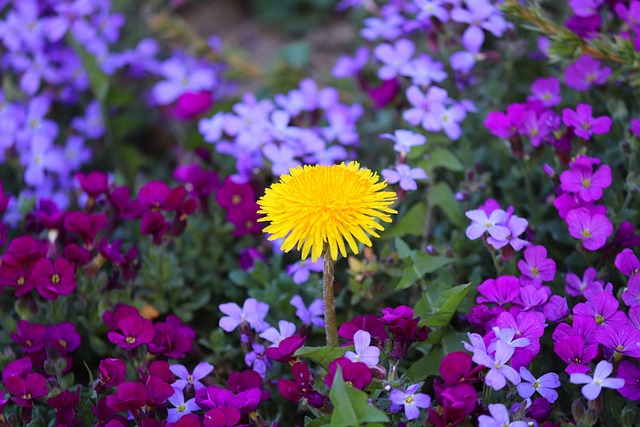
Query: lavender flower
pixel 410 400
pixel 600 379
pixel 312 315
pixel 544 385
pixel 364 352
pixel 405 175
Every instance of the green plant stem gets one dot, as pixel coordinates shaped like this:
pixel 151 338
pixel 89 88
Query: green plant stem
pixel 328 294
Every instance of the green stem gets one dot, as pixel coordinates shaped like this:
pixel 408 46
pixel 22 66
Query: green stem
pixel 328 294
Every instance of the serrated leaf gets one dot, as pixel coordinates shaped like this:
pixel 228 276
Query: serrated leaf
pixel 411 224
pixel 445 159
pixel 351 406
pixel 322 355
pixel 449 302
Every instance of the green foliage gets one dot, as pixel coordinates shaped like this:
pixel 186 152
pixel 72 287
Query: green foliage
pixel 417 264
pixel 351 408
pixel 322 355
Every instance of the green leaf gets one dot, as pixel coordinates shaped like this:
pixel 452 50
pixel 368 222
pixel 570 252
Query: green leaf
pixel 296 54
pixel 324 421
pixel 98 79
pixel 444 199
pixel 404 251
pixel 449 302
pixel 428 365
pixel 446 159
pixel 351 406
pixel 322 355
pixel 422 264
pixel 411 224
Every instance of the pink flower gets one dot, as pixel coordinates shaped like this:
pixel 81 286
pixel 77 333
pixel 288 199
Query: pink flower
pixel 582 180
pixel 584 123
pixel 593 230
pixel 536 267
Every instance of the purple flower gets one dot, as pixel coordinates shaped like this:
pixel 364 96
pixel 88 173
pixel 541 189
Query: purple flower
pixel 480 14
pixel 181 79
pixel 585 72
pixel 283 351
pixel 622 339
pixel 129 396
pixel 181 408
pixel 432 8
pixel 499 418
pixel 364 352
pixel 350 67
pixel 302 386
pixel 185 378
pixel 112 372
pixel 394 57
pixel 575 286
pixel 585 8
pixel 389 27
pixel 631 295
pixel 630 373
pixel 355 372
pixel 516 227
pixel 500 291
pixel 410 400
pixel 26 389
pixel 499 371
pixel 405 175
pixel 600 379
pixel 132 332
pixel 506 125
pixel 424 71
pixel 257 360
pixel 275 336
pixel 253 312
pixel 54 278
pixel 536 267
pixel 627 262
pixel 312 315
pixel 482 223
pixel 300 270
pixel 544 385
pixel 404 140
pixel 603 309
pixel 556 309
pixel 546 90
pixel 580 179
pixel 584 123
pixel 593 230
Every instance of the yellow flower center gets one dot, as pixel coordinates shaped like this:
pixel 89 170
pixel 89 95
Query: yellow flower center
pixel 55 279
pixel 586 233
pixel 586 183
pixel 535 271
pixel 130 340
pixel 408 399
pixel 317 205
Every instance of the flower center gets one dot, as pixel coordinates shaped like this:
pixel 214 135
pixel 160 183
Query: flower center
pixel 599 319
pixel 586 126
pixel 536 384
pixel 535 271
pixel 590 78
pixel 408 399
pixel 586 233
pixel 55 279
pixel 21 280
pixel 235 199
pixel 190 379
pixel 586 183
pixel 26 396
pixel 130 340
pixel 182 407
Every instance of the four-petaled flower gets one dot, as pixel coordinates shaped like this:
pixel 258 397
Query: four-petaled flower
pixel 593 386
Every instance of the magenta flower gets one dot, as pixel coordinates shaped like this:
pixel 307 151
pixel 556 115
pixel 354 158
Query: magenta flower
pixel 26 389
pixel 94 183
pixel 87 226
pixel 499 291
pixel 482 223
pixel 356 372
pixel 410 400
pixel 622 339
pixel 185 378
pixel 536 267
pixel 584 123
pixel 283 352
pixel 129 396
pixel 112 372
pixel 172 338
pixel 585 72
pixel 30 336
pixel 593 230
pixel 544 385
pixel 224 416
pixel 456 368
pixel 158 391
pixel 364 352
pixel 370 323
pixel 302 386
pixel 276 336
pixel 631 295
pixel 506 125
pixel 573 351
pixel 603 309
pixel 630 373
pixel 133 331
pixel 54 279
pixel 600 379
pixel 582 180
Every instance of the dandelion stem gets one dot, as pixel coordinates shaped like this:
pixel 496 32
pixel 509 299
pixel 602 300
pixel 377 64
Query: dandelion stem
pixel 328 294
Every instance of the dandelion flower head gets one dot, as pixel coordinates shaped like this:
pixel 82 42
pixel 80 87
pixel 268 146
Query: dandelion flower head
pixel 314 205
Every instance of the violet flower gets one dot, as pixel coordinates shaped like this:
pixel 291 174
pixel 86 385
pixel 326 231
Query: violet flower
pixel 364 352
pixel 185 378
pixel 499 418
pixel 536 268
pixel 404 140
pixel 499 371
pixel 482 223
pixel 404 175
pixel 312 315
pixel 275 336
pixel 600 379
pixel 410 400
pixel 585 72
pixel 253 312
pixel 480 14
pixel 544 385
pixel 630 373
pixel 546 90
pixel 181 407
pixel 584 123
pixel 592 230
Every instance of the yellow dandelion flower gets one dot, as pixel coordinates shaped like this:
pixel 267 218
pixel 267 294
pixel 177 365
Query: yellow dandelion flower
pixel 314 205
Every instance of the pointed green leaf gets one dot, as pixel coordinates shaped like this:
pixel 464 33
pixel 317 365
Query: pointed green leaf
pixel 448 304
pixel 446 159
pixel 421 264
pixel 444 199
pixel 404 251
pixel 411 224
pixel 351 406
pixel 322 355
